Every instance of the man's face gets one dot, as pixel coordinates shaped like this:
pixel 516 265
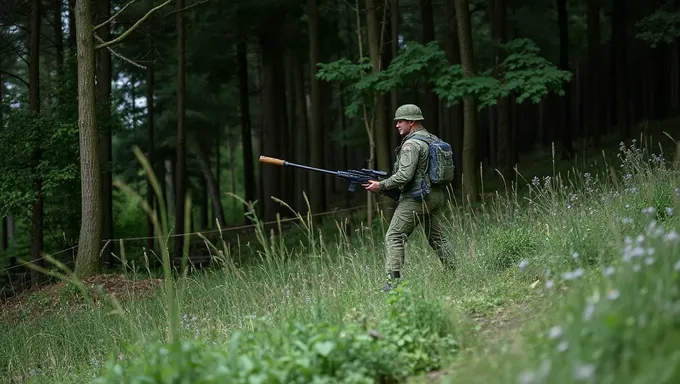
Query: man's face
pixel 404 127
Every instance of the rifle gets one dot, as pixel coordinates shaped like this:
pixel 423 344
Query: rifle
pixel 354 176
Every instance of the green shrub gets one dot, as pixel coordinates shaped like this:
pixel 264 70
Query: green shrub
pixel 412 338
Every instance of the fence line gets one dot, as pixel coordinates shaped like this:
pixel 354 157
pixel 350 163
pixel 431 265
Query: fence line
pixel 203 232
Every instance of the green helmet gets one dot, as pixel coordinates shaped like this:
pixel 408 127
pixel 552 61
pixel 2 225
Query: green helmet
pixel 409 112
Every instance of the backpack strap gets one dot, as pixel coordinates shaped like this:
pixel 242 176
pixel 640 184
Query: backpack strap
pixel 428 140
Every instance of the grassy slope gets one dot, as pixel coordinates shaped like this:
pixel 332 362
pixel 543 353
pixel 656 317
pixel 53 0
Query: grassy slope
pixel 502 313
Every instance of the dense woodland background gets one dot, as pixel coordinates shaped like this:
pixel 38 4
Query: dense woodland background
pixel 204 87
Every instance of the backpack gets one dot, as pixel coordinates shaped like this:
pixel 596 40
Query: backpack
pixel 441 162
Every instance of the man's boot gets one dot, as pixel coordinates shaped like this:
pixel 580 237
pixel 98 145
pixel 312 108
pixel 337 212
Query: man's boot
pixel 392 281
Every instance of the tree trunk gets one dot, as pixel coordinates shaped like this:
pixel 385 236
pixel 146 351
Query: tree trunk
pixel 87 260
pixel 317 191
pixel 619 61
pixel 5 238
pixel 58 35
pixel 593 107
pixel 4 244
pixel 503 136
pixel 302 140
pixel 455 136
pixel 150 152
pixel 181 173
pixel 272 103
pixel 71 26
pixel 470 181
pixel 567 149
pixel 202 149
pixel 104 118
pixel 394 100
pixel 431 107
pixel 246 138
pixel 34 105
pixel 379 126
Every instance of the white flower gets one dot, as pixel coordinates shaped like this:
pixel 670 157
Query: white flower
pixel 584 371
pixel 613 294
pixel 562 346
pixel 555 332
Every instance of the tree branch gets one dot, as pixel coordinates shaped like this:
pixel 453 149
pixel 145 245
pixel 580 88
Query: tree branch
pixel 14 76
pixel 114 16
pixel 118 55
pixel 185 8
pixel 137 24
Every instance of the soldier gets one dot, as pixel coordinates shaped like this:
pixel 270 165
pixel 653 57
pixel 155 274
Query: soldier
pixel 419 200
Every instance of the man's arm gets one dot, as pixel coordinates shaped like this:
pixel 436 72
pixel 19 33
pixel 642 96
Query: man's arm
pixel 408 162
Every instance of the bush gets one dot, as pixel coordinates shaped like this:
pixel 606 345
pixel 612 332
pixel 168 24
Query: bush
pixel 412 338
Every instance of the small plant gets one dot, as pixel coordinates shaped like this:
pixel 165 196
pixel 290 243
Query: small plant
pixel 412 338
pixel 510 245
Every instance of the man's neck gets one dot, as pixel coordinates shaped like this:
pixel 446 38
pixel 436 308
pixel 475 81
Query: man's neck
pixel 414 130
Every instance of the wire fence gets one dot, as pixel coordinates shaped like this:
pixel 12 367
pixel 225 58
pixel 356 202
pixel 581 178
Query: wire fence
pixel 196 233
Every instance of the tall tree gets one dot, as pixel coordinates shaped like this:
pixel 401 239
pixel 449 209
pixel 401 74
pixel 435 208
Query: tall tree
pixel 379 124
pixel 103 115
pixel 87 260
pixel 619 61
pixel 593 104
pixel 4 244
pixel 150 150
pixel 504 146
pixel 246 136
pixel 37 217
pixel 567 148
pixel 181 173
pixel 316 191
pixel 431 107
pixel 469 103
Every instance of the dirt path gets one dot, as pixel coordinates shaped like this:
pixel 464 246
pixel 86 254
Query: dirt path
pixel 494 339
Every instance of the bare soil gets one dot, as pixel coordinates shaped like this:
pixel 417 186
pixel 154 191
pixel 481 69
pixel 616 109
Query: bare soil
pixel 62 296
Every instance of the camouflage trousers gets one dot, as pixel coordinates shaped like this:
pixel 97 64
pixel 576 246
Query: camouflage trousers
pixel 408 215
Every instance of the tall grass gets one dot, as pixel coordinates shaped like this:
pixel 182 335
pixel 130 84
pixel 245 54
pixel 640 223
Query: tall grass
pixel 532 264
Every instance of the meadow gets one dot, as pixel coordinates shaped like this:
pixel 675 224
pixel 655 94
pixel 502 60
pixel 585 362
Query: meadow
pixel 573 279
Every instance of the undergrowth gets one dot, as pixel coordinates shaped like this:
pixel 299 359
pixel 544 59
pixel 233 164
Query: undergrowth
pixel 594 257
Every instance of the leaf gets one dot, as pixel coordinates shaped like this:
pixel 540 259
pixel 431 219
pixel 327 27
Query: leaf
pixel 324 348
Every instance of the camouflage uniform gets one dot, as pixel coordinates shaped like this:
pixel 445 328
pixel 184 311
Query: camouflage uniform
pixel 410 176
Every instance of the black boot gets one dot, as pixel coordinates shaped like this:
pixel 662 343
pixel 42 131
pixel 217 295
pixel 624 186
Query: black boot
pixel 392 281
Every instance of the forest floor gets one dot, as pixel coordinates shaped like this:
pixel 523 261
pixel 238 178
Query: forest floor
pixel 556 284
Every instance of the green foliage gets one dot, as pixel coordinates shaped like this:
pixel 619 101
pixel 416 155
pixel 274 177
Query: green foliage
pixel 53 136
pixel 349 75
pixel 36 134
pixel 524 73
pixel 623 325
pixel 510 244
pixel 662 26
pixel 410 339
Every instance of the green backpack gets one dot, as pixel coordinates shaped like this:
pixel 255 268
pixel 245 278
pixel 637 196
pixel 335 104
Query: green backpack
pixel 441 162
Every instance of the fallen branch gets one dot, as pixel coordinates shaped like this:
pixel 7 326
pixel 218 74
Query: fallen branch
pixel 137 24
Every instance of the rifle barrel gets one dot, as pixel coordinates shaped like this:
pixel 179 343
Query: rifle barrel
pixel 275 161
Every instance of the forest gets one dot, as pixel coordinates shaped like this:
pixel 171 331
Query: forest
pixel 131 143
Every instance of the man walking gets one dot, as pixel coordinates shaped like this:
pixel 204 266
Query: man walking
pixel 420 199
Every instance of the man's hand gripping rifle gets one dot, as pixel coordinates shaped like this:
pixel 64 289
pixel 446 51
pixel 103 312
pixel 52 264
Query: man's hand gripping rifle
pixel 355 177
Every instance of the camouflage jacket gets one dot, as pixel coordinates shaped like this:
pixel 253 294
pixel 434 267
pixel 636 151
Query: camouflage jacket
pixel 410 168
